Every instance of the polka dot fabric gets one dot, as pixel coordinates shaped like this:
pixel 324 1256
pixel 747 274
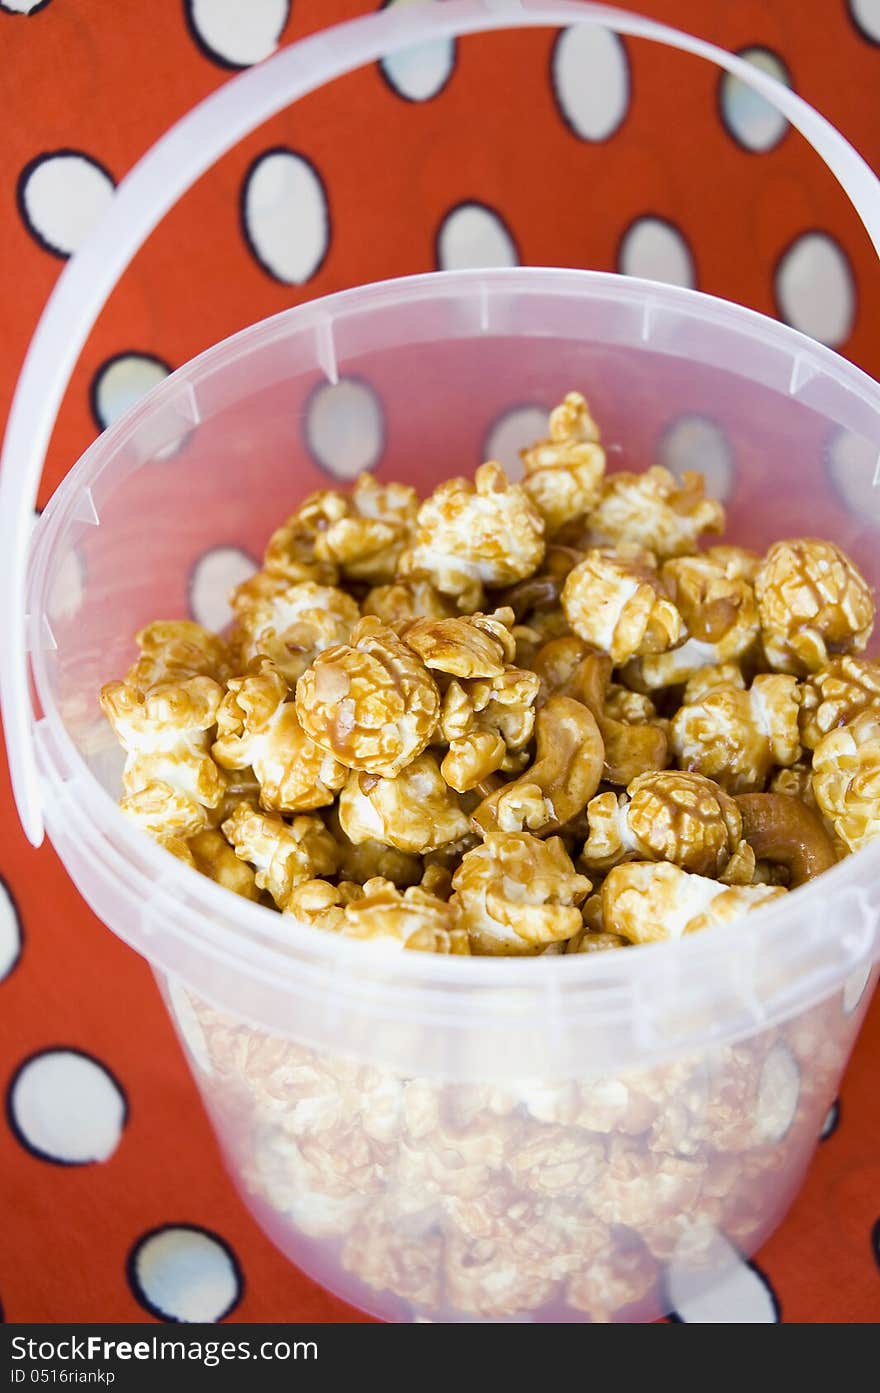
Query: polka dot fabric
pixel 114 1210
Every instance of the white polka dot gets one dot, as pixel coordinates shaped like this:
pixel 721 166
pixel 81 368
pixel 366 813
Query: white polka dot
pixel 590 77
pixel 472 235
pixel 121 382
pixel 183 1274
pixel 855 986
pixel 695 442
pixel 67 1108
pixel 23 7
pixel 832 1117
pixel 749 117
pixel 10 933
pixel 62 196
pixel 853 465
pixel 420 72
pixel 189 1026
pixel 516 430
pixel 286 218
pixel 345 428
pixel 215 576
pixel 866 14
pixel 656 251
pixel 238 32
pixel 715 1286
pixel 778 1092
pixel 815 289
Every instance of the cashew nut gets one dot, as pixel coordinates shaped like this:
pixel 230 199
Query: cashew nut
pixel 784 830
pixel 565 775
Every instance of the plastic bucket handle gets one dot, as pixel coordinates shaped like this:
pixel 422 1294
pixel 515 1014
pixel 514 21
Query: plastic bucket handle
pixel 176 161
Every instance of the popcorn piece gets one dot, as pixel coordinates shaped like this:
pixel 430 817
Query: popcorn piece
pixel 735 737
pixel 516 894
pixel 609 1284
pixel 471 535
pixel 834 695
pixel 652 510
pixel 365 531
pixel 564 474
pixel 388 1256
pixel 485 1281
pixel 813 602
pixel 476 646
pixel 617 603
pixel 173 651
pixel 291 624
pixel 628 707
pixel 667 815
pixel 708 678
pixel 486 723
pixel 846 779
pixel 718 608
pixel 258 728
pixel 372 703
pixel 646 902
pixel 171 782
pixel 290 556
pixel 322 905
pixel 589 941
pixel 382 914
pixel 284 854
pixel 211 854
pixel 406 600
pixel 415 811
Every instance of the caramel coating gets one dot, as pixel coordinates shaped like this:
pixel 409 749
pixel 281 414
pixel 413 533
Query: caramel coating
pixel 173 650
pixel 363 861
pixel 813 602
pixel 846 779
pixel 487 722
pixel 258 728
pixel 379 913
pixel 735 737
pixel 172 784
pixel 646 902
pixel 670 815
pixel 210 853
pixel 283 854
pixel 415 811
pixel 471 535
pixel 372 703
pixel 718 609
pixel 653 510
pixel 291 623
pixel 835 695
pixel 405 600
pixel 516 894
pixel 617 603
pixel 563 474
pixel 362 533
pixel 476 646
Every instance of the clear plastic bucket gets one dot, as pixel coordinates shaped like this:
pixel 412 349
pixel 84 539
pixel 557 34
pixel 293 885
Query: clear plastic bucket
pixel 455 1139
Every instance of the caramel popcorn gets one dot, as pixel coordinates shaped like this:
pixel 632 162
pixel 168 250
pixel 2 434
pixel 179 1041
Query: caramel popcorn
pixel 735 737
pixel 258 728
pixel 471 535
pixel 424 709
pixel 813 603
pixel 363 532
pixel 416 811
pixel 563 475
pixel 173 651
pixel 654 511
pixel 669 815
pixel 171 783
pixel 283 854
pixel 516 894
pixel 290 624
pixel 617 603
pixel 647 901
pixel 719 613
pixel 835 695
pixel 372 703
pixel 846 779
